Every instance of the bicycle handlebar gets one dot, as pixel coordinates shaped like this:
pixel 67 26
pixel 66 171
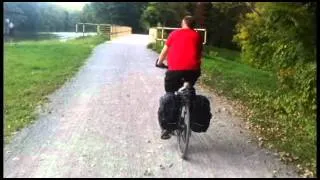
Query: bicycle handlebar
pixel 163 66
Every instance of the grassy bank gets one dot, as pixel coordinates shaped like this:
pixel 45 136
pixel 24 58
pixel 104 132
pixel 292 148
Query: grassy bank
pixel 33 70
pixel 291 135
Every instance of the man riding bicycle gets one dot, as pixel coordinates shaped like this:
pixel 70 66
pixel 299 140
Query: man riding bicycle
pixel 183 50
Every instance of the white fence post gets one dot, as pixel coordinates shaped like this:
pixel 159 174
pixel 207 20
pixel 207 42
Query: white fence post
pixel 162 33
pixel 83 29
pixel 205 37
pixel 111 31
pixel 153 35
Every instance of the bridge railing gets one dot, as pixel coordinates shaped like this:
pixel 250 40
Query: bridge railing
pixel 111 30
pixel 117 31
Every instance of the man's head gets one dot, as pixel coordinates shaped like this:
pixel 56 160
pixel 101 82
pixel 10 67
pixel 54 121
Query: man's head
pixel 188 22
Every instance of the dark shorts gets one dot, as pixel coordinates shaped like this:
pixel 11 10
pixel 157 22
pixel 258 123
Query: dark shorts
pixel 174 79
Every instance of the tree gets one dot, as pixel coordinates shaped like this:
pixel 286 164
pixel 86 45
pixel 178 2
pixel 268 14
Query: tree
pixel 166 13
pixel 221 20
pixel 123 13
pixel 40 16
pixel 14 13
pixel 66 21
pixel 281 38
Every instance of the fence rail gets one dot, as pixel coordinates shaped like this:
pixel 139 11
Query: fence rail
pixel 153 34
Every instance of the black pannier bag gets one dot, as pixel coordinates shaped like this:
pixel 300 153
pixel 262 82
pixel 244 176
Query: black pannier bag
pixel 168 112
pixel 200 114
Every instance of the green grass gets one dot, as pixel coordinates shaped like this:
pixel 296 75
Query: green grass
pixel 231 77
pixel 33 70
pixel 223 53
pixel 223 71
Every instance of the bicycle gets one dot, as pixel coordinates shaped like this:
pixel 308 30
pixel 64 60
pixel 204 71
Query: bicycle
pixel 183 132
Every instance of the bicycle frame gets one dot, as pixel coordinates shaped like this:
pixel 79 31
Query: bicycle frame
pixel 185 93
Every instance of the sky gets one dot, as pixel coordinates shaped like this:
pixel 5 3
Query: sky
pixel 71 5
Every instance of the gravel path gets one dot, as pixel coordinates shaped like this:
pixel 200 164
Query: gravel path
pixel 103 123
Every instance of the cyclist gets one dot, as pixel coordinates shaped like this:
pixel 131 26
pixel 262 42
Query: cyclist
pixel 183 51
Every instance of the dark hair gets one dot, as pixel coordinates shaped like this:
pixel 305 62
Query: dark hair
pixel 190 21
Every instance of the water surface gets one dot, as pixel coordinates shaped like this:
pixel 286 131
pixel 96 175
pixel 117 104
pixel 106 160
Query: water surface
pixel 63 36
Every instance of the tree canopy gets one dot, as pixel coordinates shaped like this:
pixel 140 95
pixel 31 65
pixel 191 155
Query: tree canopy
pixel 40 16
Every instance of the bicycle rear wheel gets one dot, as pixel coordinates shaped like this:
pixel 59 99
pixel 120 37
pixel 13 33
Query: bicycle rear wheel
pixel 183 132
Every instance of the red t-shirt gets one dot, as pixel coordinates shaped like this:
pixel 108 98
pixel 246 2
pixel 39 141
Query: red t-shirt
pixel 184 52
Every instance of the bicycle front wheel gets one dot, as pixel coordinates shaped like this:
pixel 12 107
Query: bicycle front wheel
pixel 184 131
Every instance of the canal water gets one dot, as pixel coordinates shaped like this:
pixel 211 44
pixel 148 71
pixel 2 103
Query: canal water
pixel 63 36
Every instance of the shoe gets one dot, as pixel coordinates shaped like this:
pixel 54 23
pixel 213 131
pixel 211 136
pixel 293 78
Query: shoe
pixel 165 134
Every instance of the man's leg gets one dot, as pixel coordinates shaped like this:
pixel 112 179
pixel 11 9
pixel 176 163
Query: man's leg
pixel 192 76
pixel 172 81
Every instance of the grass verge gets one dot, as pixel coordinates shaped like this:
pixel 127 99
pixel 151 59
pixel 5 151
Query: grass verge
pixel 33 70
pixel 294 137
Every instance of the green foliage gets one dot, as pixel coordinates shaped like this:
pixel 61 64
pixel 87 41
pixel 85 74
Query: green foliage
pixel 166 13
pixel 280 37
pixel 88 14
pixel 218 18
pixel 40 16
pixel 155 46
pixel 47 17
pixel 120 13
pixel 150 16
pixel 221 21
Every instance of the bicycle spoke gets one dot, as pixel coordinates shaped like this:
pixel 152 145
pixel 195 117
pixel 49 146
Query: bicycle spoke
pixel 184 131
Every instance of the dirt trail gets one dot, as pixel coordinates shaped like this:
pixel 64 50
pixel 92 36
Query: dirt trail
pixel 103 123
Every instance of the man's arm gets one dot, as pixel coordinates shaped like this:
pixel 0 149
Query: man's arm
pixel 163 54
pixel 165 48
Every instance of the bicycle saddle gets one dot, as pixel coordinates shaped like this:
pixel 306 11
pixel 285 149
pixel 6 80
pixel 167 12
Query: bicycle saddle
pixel 186 85
pixel 187 90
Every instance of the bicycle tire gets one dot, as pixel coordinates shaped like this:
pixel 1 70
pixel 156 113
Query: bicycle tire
pixel 184 132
